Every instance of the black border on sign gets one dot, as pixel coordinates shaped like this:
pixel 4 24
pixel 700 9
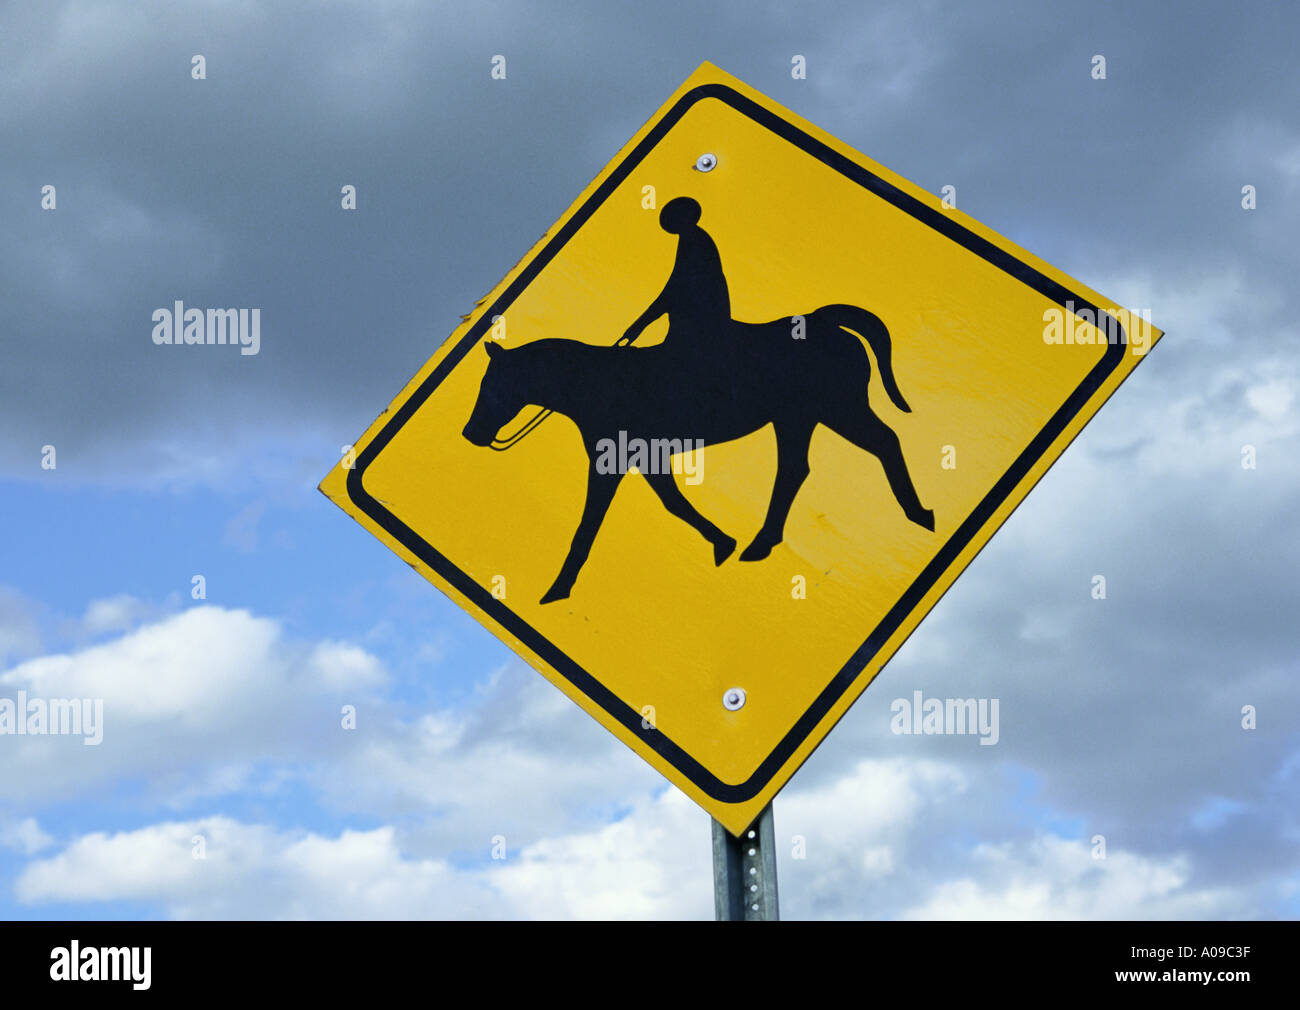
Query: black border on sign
pixel 941 222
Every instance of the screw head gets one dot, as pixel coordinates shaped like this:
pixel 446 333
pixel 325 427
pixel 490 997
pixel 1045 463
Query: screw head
pixel 706 162
pixel 733 699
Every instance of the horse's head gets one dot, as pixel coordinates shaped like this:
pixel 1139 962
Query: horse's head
pixel 498 398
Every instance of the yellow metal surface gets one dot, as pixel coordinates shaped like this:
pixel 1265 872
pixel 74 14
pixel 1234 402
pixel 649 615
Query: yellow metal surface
pixel 652 629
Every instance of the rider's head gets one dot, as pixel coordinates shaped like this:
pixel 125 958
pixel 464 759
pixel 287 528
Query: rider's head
pixel 679 214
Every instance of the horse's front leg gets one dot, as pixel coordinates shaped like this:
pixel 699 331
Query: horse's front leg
pixel 600 492
pixel 676 503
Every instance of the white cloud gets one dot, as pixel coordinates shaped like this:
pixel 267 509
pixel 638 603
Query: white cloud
pixel 19 632
pixel 258 872
pixel 870 801
pixel 858 829
pixel 113 613
pixel 618 871
pixel 210 687
pixel 343 667
pixel 655 863
pixel 1054 878
pixel 240 709
pixel 25 836
pixel 191 667
pixel 1272 398
pixel 519 760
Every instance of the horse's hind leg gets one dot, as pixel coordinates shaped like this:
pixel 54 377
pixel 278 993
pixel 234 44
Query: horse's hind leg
pixel 866 430
pixel 600 492
pixel 675 502
pixel 791 472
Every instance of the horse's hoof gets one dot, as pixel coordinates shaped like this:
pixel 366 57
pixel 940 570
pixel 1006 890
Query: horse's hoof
pixel 723 549
pixel 553 594
pixel 925 519
pixel 756 551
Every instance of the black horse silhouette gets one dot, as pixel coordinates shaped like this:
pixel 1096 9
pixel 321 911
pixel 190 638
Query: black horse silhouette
pixel 743 377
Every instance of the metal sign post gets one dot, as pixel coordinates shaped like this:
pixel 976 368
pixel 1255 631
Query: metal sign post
pixel 744 872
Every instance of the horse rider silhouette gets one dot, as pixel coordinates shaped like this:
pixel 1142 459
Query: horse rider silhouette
pixel 695 298
pixel 712 380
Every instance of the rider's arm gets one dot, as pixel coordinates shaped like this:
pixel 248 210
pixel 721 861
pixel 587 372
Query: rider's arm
pixel 656 309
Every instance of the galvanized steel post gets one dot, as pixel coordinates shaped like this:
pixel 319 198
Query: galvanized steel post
pixel 744 872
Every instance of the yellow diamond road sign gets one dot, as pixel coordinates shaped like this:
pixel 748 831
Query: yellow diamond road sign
pixel 716 445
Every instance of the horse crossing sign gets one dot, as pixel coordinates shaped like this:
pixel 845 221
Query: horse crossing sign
pixel 755 403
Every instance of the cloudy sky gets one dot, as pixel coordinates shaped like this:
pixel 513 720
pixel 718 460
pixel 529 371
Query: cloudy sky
pixel 1119 717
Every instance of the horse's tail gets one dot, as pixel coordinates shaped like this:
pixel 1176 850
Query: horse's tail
pixel 873 331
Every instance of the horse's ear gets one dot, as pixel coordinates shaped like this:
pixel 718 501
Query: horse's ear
pixel 492 347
